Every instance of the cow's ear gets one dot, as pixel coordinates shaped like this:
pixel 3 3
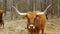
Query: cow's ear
pixel 24 17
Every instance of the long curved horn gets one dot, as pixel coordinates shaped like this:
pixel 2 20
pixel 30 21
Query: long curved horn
pixel 44 10
pixel 18 11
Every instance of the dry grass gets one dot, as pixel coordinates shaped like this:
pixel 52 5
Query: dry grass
pixel 18 27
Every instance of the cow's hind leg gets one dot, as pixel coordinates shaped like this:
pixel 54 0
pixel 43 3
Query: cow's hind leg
pixel 2 24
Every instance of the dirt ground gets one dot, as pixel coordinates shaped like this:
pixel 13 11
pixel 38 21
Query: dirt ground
pixel 18 27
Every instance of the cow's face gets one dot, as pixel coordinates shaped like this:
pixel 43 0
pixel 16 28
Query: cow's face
pixel 31 17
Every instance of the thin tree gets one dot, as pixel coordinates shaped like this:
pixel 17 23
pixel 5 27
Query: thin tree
pixel 5 6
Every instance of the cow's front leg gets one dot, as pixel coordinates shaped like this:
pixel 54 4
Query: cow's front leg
pixel 37 32
pixel 29 32
pixel 42 31
pixel 43 27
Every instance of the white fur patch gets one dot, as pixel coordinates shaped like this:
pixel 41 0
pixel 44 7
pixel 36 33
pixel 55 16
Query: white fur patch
pixel 31 25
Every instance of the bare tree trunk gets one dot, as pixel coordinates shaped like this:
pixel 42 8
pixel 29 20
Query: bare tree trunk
pixel 58 9
pixel 5 6
pixel 12 9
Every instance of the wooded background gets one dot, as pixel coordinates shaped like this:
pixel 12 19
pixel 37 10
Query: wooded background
pixel 27 5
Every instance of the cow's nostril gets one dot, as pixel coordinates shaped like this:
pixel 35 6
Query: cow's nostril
pixel 31 27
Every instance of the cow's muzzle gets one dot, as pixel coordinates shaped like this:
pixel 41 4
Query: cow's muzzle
pixel 31 26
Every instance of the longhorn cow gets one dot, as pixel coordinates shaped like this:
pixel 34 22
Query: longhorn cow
pixel 36 20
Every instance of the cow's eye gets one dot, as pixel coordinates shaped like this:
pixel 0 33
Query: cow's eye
pixel 36 15
pixel 28 19
pixel 34 18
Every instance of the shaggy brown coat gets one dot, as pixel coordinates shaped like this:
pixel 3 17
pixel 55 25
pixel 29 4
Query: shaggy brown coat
pixel 38 20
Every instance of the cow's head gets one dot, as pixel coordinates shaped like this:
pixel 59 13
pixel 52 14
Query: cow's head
pixel 31 16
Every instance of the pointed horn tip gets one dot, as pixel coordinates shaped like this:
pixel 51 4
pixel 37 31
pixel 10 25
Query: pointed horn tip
pixel 50 5
pixel 39 13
